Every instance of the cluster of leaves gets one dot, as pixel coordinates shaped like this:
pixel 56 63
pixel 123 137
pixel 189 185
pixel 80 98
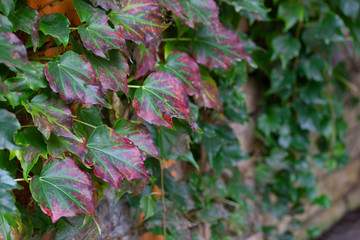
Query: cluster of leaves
pixel 141 82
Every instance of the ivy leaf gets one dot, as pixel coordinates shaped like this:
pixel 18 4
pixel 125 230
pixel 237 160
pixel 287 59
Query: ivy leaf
pixel 98 37
pixel 145 57
pixel 139 135
pixel 85 10
pixel 291 13
pixel 148 205
pixel 9 224
pixel 63 189
pixel 160 98
pixel 209 96
pixel 59 145
pixel 185 69
pixel 286 48
pixel 51 115
pixel 256 6
pixel 7 183
pixel 141 20
pixel 5 24
pixel 19 90
pixel 27 20
pixel 36 78
pixel 174 6
pixel 56 25
pixel 12 51
pixel 112 73
pixel 6 6
pixel 114 157
pixel 106 4
pixel 74 79
pixel 217 49
pixel 10 125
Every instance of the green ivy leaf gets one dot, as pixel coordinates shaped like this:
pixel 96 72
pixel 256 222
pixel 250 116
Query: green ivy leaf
pixel 314 68
pixel 286 48
pixel 98 37
pixel 323 201
pixel 141 20
pixel 51 115
pixel 148 205
pixel 58 145
pixel 36 78
pixel 63 189
pixel 74 79
pixel 12 51
pixel 291 12
pixel 139 135
pixel 9 223
pixel 10 125
pixel 114 157
pixel 256 6
pixel 56 25
pixel 185 69
pixel 7 183
pixel 5 24
pixel 85 10
pixel 217 48
pixel 160 98
pixel 7 6
pixel 27 20
pixel 113 72
pixel 19 90
pixel 282 82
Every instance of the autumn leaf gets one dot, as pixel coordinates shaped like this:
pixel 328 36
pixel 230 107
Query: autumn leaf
pixel 74 79
pixel 145 57
pixel 141 20
pixel 114 157
pixel 160 98
pixel 209 96
pixel 106 4
pixel 12 51
pixel 185 69
pixel 139 135
pixel 58 145
pixel 98 37
pixel 63 189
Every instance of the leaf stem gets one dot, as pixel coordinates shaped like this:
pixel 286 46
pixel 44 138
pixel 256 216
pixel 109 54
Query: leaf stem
pixel 25 126
pixel 73 28
pixel 134 86
pixel 84 123
pixel 22 179
pixel 176 39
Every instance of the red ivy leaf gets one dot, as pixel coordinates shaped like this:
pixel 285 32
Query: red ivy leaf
pixel 200 11
pixel 112 73
pixel 74 79
pixel 139 135
pixel 141 19
pixel 98 37
pixel 114 157
pixel 161 98
pixel 63 189
pixel 59 145
pixel 185 69
pixel 217 49
pixel 174 6
pixel 145 57
pixel 209 94
pixel 12 51
pixel 51 116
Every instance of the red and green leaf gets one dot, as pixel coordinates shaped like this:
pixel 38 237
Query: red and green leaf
pixel 98 37
pixel 63 189
pixel 160 98
pixel 145 57
pixel 59 145
pixel 51 116
pixel 114 157
pixel 113 72
pixel 74 79
pixel 27 20
pixel 185 69
pixel 141 20
pixel 209 96
pixel 174 6
pixel 200 11
pixel 217 49
pixel 106 4
pixel 139 135
pixel 12 51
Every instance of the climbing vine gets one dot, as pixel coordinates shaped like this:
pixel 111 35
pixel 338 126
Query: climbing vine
pixel 139 84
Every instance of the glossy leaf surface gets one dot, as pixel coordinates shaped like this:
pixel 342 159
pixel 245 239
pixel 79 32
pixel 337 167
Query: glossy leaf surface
pixel 114 157
pixel 113 72
pixel 145 58
pixel 12 51
pixel 59 145
pixel 161 98
pixel 56 25
pixel 63 189
pixel 141 20
pixel 106 4
pixel 256 6
pixel 139 135
pixel 84 9
pixel 5 24
pixel 98 37
pixel 209 97
pixel 74 79
pixel 51 115
pixel 7 184
pixel 8 127
pixel 6 6
pixel 200 11
pixel 185 69
pixel 217 49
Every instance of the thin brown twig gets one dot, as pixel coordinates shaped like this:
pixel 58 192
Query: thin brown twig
pixel 163 200
pixel 52 3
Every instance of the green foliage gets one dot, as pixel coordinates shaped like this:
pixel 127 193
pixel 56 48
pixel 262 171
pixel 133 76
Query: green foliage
pixel 150 82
